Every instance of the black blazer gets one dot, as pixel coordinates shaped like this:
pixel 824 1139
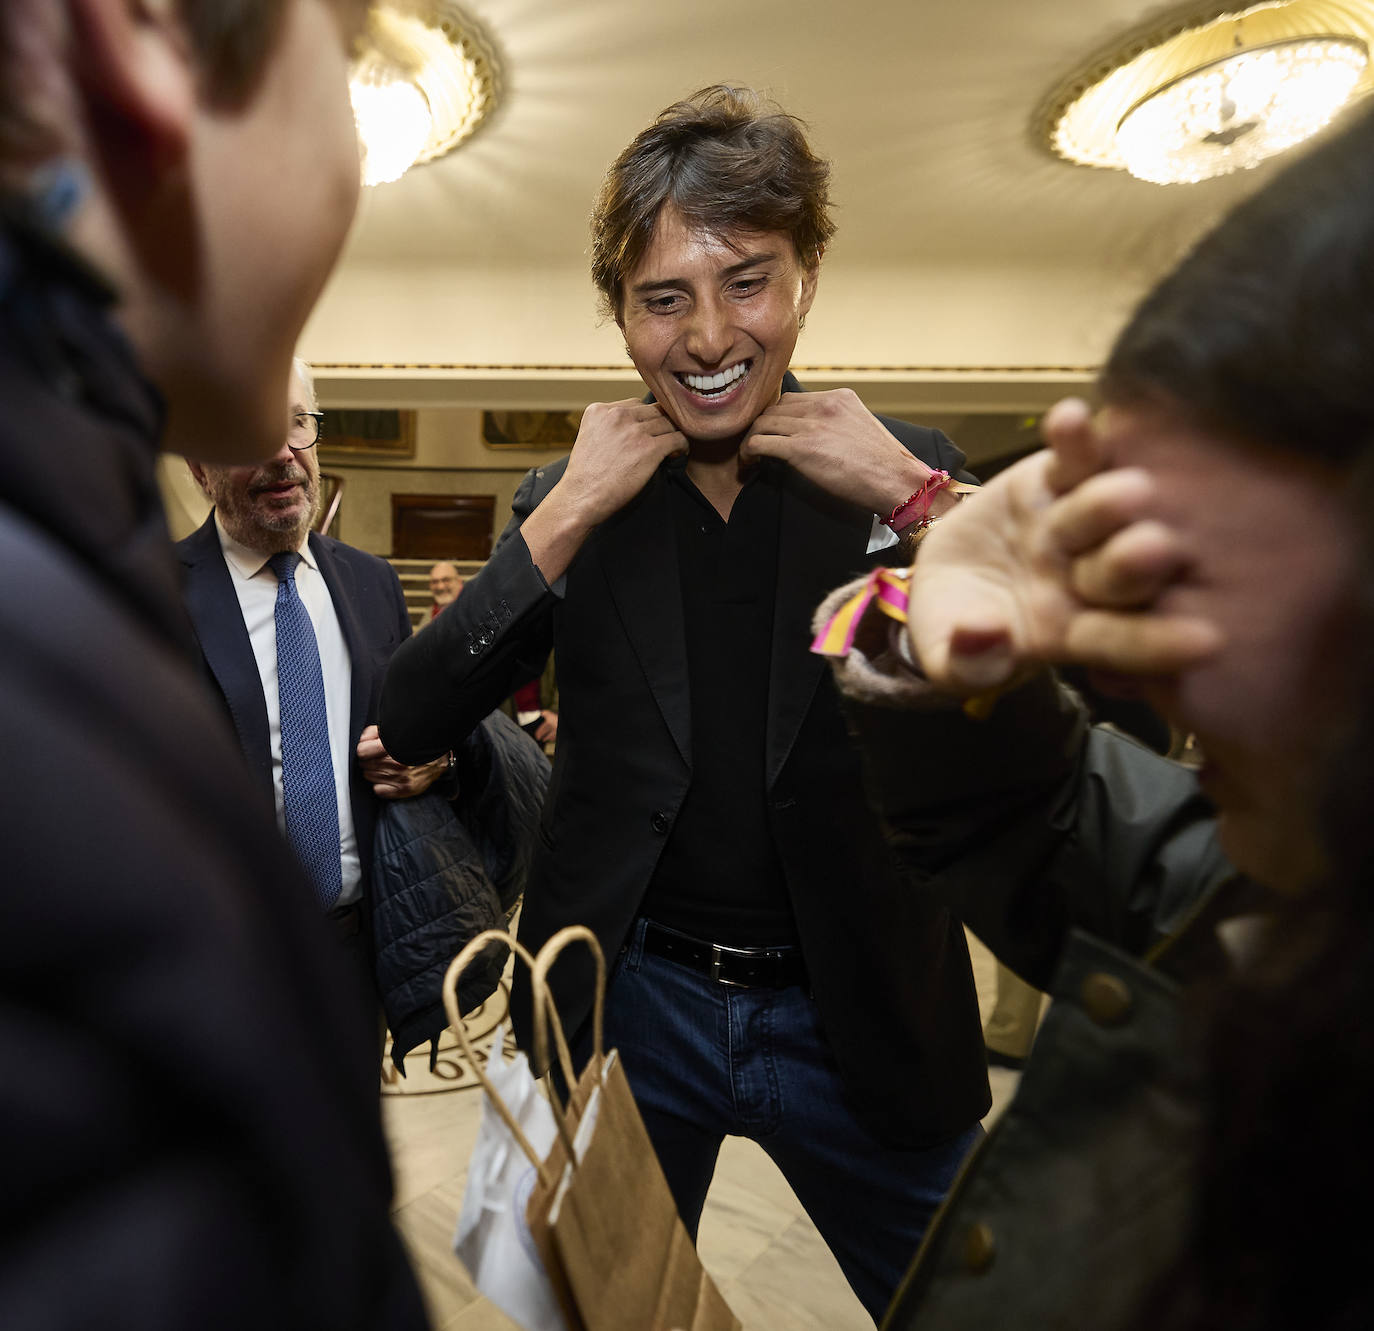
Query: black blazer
pixel 889 967
pixel 372 613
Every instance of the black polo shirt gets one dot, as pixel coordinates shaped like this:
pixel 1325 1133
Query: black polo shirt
pixel 720 877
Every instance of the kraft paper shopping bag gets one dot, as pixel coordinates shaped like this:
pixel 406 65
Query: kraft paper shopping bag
pixel 518 1128
pixel 624 1252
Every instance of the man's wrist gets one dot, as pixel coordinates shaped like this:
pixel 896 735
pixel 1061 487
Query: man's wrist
pixel 915 511
pixel 555 532
pixel 914 475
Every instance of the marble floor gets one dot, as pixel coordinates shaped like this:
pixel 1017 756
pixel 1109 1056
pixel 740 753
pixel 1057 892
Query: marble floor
pixel 755 1240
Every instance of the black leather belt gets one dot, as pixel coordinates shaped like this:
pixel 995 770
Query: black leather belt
pixel 740 967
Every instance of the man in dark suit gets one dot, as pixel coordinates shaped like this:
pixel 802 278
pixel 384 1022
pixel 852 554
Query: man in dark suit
pixel 706 816
pixel 238 586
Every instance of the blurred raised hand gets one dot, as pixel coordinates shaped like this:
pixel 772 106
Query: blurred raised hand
pixel 1055 559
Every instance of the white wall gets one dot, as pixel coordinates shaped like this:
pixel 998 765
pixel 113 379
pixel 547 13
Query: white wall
pixel 536 321
pixel 923 341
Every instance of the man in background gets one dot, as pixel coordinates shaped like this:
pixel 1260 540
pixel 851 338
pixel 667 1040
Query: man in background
pixel 191 1126
pixel 444 587
pixel 296 630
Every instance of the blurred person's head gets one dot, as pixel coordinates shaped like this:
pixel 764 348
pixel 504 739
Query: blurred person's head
pixel 444 584
pixel 1244 384
pixel 206 153
pixel 271 506
pixel 707 239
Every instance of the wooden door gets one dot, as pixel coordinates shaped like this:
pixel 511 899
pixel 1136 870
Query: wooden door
pixel 442 526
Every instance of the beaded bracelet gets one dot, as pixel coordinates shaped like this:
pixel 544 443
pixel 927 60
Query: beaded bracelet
pixel 916 510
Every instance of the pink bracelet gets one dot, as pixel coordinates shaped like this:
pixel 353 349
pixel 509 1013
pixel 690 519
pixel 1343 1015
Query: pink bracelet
pixel 916 510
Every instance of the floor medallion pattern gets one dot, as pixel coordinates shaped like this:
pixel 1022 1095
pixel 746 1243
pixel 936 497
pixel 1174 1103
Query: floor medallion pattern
pixel 452 1071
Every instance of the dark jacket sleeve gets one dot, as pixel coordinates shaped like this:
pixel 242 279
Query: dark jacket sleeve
pixel 493 638
pixel 431 896
pixel 934 447
pixel 1032 823
pixel 951 458
pixel 443 872
pixel 190 1097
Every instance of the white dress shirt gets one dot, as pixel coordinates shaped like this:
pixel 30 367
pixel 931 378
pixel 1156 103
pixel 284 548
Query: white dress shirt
pixel 880 536
pixel 256 586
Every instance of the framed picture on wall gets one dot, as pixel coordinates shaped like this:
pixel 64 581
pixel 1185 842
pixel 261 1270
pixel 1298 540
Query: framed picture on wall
pixel 379 434
pixel 530 429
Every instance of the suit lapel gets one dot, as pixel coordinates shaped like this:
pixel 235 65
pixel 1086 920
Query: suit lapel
pixel 214 609
pixel 343 591
pixel 638 556
pixel 821 542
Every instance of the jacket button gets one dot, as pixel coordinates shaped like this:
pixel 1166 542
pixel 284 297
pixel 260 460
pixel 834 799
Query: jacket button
pixel 979 1249
pixel 1106 999
pixel 660 822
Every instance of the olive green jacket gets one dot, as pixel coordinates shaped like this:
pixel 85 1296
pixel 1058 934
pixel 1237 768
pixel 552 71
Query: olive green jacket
pixel 1103 888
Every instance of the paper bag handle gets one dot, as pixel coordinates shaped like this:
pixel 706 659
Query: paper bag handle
pixel 543 999
pixel 455 1020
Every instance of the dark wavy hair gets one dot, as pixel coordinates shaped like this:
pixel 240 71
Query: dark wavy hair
pixel 1265 331
pixel 1265 335
pixel 727 160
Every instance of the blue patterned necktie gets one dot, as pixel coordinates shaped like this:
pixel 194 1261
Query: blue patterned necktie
pixel 307 768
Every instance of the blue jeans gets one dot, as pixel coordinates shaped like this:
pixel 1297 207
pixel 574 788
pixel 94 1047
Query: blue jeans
pixel 707 1061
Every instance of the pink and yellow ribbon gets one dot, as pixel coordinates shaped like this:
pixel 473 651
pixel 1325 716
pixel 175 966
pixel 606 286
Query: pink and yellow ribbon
pixel 889 590
pixel 885 586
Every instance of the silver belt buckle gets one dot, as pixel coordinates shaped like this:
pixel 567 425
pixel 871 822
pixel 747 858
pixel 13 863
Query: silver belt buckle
pixel 716 952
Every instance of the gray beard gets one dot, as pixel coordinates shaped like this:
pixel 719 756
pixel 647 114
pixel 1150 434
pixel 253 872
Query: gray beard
pixel 268 538
pixel 265 534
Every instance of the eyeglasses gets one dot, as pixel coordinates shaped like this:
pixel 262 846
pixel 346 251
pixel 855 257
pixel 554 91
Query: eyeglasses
pixel 305 430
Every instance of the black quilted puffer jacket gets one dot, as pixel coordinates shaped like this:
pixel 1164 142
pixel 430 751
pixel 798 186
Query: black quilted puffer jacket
pixel 444 870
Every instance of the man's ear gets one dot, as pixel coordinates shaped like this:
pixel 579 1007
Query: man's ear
pixel 135 68
pixel 811 274
pixel 197 470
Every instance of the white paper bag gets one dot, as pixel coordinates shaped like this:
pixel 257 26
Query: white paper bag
pixel 493 1239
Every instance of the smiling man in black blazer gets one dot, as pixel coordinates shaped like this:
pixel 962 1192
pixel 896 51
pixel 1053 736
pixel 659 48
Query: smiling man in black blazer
pixel 706 815
pixel 236 596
